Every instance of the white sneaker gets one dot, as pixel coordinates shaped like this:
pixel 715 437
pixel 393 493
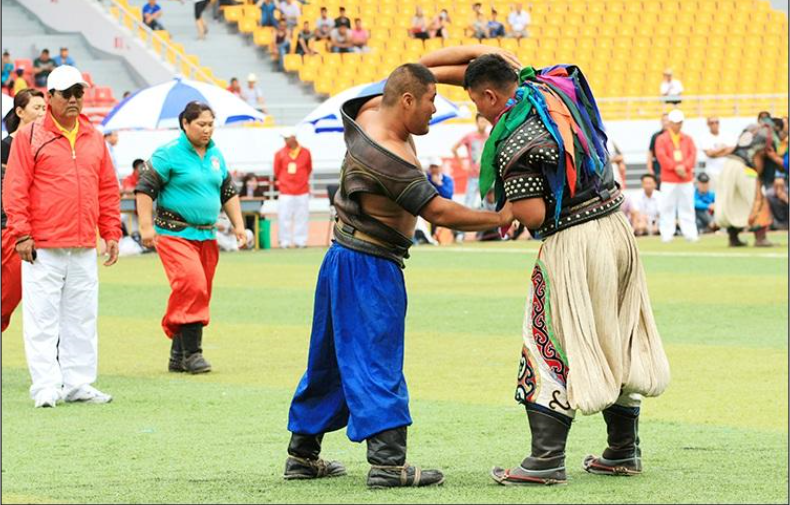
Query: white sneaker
pixel 87 394
pixel 47 398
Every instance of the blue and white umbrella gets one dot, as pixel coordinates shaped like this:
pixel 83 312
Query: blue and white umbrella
pixel 159 106
pixel 326 117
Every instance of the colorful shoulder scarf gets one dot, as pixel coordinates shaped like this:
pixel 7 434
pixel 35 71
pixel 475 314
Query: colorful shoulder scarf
pixel 562 99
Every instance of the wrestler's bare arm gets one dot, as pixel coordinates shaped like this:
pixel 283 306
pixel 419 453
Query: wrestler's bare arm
pixel 449 64
pixel 443 212
pixel 530 212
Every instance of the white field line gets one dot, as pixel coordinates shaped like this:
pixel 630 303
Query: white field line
pixel 645 253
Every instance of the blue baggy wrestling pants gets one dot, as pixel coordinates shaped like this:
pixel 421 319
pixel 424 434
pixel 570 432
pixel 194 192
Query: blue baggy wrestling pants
pixel 354 371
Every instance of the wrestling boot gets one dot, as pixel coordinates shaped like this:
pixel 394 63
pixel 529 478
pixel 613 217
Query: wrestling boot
pixel 761 238
pixel 732 233
pixel 388 467
pixel 303 461
pixel 546 463
pixel 192 339
pixel 176 355
pixel 623 456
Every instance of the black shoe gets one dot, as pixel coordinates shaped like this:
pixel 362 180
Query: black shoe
pixel 192 339
pixel 546 463
pixel 623 455
pixel 732 233
pixel 303 461
pixel 176 363
pixel 388 467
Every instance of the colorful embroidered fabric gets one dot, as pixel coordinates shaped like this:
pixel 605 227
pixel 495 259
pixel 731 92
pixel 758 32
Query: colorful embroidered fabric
pixel 562 99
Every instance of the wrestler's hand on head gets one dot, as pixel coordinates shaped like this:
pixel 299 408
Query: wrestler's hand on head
pixel 511 58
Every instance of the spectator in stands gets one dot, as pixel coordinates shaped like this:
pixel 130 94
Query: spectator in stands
pixel 63 58
pixel 653 166
pixel 20 83
pixel 419 25
pixel 291 12
pixel 152 13
pixel 519 21
pixel 234 86
pixel 677 155
pixel 360 37
pixel 202 29
pixel 443 183
pixel 439 25
pixel 281 45
pixel 293 165
pixel 8 70
pixel 340 40
pixel 715 148
pixel 324 25
pixel 42 66
pixel 267 8
pixel 131 180
pixel 495 28
pixel 473 142
pixel 54 220
pixel 253 94
pixel 111 140
pixel 479 27
pixel 304 41
pixel 671 88
pixel 645 207
pixel 342 19
pixel 704 205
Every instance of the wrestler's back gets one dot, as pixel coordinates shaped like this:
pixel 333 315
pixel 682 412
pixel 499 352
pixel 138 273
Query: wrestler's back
pixel 377 206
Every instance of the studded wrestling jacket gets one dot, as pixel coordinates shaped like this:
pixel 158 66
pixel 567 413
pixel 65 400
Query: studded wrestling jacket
pixel 523 158
pixel 370 168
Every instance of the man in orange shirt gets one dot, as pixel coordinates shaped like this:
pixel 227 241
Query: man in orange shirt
pixel 293 165
pixel 677 156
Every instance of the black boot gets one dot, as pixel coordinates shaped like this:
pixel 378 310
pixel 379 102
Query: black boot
pixel 303 461
pixel 546 463
pixel 732 233
pixel 388 467
pixel 623 455
pixel 176 355
pixel 192 338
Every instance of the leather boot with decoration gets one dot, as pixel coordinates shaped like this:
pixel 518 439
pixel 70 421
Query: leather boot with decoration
pixel 388 466
pixel 303 462
pixel 623 455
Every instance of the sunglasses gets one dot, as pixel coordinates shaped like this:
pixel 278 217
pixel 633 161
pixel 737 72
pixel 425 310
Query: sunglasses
pixel 75 91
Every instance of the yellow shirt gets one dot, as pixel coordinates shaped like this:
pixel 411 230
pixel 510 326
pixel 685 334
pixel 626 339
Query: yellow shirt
pixel 19 84
pixel 71 135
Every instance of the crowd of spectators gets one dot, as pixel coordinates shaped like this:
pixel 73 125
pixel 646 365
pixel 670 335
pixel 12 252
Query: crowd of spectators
pixel 516 24
pixel 17 77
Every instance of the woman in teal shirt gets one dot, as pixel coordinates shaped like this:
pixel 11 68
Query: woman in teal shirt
pixel 189 178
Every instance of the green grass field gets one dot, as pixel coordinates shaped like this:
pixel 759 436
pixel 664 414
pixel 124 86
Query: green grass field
pixel 718 435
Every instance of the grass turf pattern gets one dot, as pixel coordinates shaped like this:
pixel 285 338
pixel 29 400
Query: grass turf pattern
pixel 718 435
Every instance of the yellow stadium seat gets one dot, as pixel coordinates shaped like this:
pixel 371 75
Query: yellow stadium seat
pixel 247 25
pixel 263 36
pixel 252 12
pixel 233 13
pixel 292 62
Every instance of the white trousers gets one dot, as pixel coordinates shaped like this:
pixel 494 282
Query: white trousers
pixel 60 295
pixel 293 218
pixel 472 196
pixel 677 202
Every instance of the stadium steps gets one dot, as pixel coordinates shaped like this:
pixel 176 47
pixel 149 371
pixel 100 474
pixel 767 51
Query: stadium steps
pixel 24 36
pixel 229 55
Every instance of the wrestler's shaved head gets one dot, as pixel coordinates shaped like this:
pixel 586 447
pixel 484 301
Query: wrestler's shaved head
pixel 490 70
pixel 410 78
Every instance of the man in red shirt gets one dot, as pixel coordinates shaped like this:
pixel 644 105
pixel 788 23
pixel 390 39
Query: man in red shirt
pixel 61 187
pixel 677 156
pixel 293 165
pixel 473 142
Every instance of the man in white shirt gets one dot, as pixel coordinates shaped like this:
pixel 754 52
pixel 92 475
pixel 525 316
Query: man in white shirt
pixel 291 12
pixel 253 94
pixel 645 214
pixel 715 147
pixel 518 20
pixel 671 88
pixel 324 25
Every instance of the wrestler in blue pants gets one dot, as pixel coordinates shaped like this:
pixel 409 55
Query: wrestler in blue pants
pixel 354 371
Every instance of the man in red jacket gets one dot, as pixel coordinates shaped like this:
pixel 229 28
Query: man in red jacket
pixel 60 187
pixel 293 165
pixel 677 156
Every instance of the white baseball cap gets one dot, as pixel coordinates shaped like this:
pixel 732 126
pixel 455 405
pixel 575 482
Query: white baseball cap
pixel 288 133
pixel 64 77
pixel 252 77
pixel 675 116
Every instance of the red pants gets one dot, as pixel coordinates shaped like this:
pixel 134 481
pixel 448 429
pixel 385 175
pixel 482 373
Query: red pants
pixel 190 266
pixel 12 279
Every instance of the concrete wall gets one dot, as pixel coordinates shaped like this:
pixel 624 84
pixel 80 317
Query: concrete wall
pixel 89 18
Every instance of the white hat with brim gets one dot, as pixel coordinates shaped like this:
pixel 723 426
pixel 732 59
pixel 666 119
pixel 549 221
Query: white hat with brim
pixel 64 77
pixel 675 116
pixel 288 133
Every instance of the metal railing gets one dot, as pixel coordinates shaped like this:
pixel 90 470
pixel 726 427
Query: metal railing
pixel 649 107
pixel 163 47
